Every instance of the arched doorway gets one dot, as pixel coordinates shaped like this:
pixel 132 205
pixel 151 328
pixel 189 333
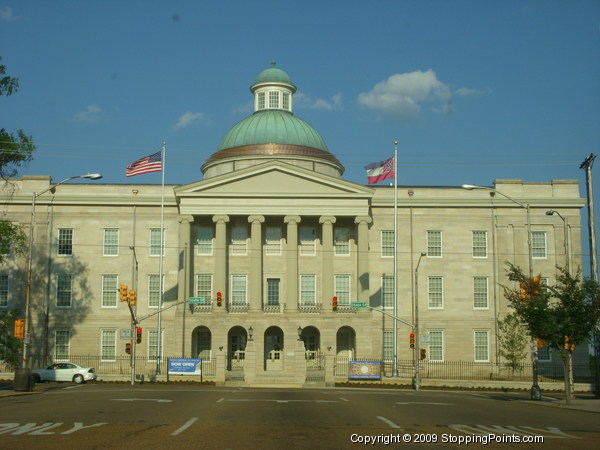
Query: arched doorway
pixel 202 343
pixel 273 349
pixel 236 346
pixel 312 348
pixel 345 343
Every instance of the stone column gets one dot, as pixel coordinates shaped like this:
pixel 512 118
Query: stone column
pixel 362 258
pixel 255 288
pixel 327 259
pixel 220 255
pixel 291 257
pixel 185 277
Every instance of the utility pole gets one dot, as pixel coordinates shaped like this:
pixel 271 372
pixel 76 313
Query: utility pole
pixel 587 164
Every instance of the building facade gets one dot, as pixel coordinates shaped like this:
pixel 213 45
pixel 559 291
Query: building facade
pixel 275 233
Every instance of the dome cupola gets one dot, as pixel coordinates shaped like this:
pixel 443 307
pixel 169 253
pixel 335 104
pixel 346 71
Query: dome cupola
pixel 272 132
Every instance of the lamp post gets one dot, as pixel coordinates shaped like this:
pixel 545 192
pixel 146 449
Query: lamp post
pixel 566 235
pixel 417 340
pixel 536 393
pixel 34 196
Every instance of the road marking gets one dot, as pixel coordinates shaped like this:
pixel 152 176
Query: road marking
pixel 185 426
pixel 159 400
pixel 220 400
pixel 389 422
pixel 343 399
pixel 276 400
pixel 425 403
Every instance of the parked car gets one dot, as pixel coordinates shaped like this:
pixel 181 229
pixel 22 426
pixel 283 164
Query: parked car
pixel 64 371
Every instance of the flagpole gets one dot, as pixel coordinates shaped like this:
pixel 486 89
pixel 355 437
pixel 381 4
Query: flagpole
pixel 395 369
pixel 161 261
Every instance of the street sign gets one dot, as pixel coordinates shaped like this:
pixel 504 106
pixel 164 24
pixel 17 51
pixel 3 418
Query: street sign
pixel 358 304
pixel 198 300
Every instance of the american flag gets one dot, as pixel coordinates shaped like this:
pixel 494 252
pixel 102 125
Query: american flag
pixel 147 164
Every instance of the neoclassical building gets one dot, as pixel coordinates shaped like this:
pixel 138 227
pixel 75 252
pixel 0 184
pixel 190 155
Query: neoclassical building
pixel 275 232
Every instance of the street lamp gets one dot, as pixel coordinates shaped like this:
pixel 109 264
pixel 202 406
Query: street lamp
pixel 566 233
pixel 34 195
pixel 417 340
pixel 536 393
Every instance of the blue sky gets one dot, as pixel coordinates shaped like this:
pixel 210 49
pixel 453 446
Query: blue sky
pixel 473 91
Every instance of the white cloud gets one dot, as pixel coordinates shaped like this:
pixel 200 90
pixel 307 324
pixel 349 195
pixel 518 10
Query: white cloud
pixel 463 91
pixel 7 14
pixel 187 119
pixel 304 101
pixel 90 114
pixel 403 94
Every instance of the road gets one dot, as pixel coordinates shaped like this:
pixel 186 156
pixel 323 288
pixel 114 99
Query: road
pixel 184 416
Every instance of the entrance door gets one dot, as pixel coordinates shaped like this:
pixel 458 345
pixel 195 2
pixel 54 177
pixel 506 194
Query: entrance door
pixel 237 347
pixel 274 349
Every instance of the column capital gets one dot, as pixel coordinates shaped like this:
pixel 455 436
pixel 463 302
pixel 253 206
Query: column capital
pixel 327 219
pixel 186 219
pixel 256 218
pixel 292 219
pixel 363 219
pixel 220 218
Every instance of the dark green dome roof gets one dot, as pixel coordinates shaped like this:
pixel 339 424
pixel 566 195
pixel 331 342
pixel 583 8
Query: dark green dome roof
pixel 273 126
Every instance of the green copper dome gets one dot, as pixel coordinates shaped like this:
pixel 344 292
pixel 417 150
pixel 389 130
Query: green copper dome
pixel 273 126
pixel 273 74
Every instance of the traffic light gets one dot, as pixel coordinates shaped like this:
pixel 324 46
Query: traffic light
pixel 423 353
pixel 123 291
pixel 138 335
pixel 540 343
pixel 128 348
pixel 334 304
pixel 569 346
pixel 20 328
pixel 132 297
pixel 219 299
pixel 412 340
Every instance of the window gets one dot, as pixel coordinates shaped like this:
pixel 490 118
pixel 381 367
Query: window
pixel 388 345
pixel 155 242
pixel 61 345
pixel 239 239
pixel 308 241
pixel 387 243
pixel 273 99
pixel 481 346
pixel 204 285
pixel 238 289
pixel 434 244
pixel 273 291
pixel 387 291
pixel 480 293
pixel 308 289
pixel 544 353
pixel 154 290
pixel 108 343
pixel 479 244
pixel 65 242
pixel 342 289
pixel 153 344
pixel 205 240
pixel 436 345
pixel 538 244
pixel 341 241
pixel 63 291
pixel 110 243
pixel 435 292
pixel 273 240
pixel 109 291
pixel 286 101
pixel 3 291
pixel 261 100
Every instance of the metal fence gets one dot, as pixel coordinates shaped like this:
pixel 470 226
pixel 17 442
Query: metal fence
pixel 118 366
pixel 468 370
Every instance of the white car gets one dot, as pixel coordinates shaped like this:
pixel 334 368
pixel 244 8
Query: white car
pixel 64 371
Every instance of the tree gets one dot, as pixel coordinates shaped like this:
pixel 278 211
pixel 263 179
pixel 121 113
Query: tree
pixel 563 315
pixel 14 151
pixel 513 341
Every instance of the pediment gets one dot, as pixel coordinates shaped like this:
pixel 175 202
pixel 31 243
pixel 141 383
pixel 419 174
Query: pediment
pixel 273 179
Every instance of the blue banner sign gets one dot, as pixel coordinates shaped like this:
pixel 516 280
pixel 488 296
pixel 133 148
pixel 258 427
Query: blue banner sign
pixel 364 370
pixel 185 366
